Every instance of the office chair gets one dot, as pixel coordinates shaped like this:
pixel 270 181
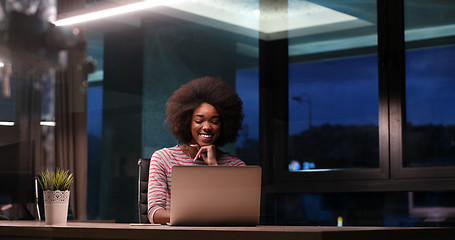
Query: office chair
pixel 142 185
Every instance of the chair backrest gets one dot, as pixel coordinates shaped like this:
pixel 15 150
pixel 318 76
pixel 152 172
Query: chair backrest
pixel 142 184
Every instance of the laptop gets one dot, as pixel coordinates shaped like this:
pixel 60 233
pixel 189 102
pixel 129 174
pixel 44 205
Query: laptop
pixel 215 195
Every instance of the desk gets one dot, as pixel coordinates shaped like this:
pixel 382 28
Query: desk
pixel 80 230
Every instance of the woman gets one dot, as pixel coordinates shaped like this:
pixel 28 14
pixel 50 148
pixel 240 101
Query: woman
pixel 203 115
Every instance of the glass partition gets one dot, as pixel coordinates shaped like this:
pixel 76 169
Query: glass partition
pixel 141 59
pixel 28 73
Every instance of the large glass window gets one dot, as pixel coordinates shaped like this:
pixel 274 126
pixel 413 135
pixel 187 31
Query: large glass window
pixel 333 87
pixel 430 71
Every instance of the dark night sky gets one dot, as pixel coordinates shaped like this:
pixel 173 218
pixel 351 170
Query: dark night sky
pixel 345 91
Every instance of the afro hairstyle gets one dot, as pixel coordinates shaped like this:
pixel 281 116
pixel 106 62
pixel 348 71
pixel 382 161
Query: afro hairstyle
pixel 212 90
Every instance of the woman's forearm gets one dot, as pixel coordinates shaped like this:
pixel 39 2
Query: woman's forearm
pixel 162 216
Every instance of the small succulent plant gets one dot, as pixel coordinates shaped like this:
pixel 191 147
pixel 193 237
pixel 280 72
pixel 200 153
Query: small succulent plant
pixel 55 180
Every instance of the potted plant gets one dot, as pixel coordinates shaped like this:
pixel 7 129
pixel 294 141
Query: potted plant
pixel 56 193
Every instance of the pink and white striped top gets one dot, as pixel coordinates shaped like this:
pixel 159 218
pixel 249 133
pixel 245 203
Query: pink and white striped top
pixel 160 177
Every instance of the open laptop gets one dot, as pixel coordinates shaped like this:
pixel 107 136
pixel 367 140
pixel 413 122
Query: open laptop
pixel 215 195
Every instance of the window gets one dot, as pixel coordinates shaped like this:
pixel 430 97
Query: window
pixel 430 128
pixel 414 128
pixel 333 89
pixel 430 124
pixel 333 114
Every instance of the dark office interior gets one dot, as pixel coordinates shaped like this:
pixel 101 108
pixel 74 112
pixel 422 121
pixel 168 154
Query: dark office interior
pixel 348 104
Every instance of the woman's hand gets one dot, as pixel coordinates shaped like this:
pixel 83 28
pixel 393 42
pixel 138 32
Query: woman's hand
pixel 162 216
pixel 207 153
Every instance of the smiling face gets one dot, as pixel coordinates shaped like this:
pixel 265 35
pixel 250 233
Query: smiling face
pixel 205 125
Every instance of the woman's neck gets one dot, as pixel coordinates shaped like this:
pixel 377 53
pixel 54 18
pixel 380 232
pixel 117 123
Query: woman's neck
pixel 189 151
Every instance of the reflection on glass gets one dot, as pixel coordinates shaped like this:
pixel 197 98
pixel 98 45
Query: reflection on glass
pixel 432 206
pixel 7 95
pixel 390 209
pixel 333 88
pixel 430 71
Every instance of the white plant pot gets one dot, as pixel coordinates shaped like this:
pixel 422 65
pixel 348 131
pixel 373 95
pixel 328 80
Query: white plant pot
pixel 56 207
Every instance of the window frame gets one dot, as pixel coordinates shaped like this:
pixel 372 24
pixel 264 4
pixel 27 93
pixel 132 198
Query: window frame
pixel 390 176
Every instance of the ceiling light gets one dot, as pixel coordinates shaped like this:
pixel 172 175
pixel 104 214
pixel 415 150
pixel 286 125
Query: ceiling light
pixel 42 123
pixel 9 124
pixel 128 8
pixel 48 123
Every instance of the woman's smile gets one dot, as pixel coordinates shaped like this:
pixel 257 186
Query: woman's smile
pixel 205 125
pixel 206 138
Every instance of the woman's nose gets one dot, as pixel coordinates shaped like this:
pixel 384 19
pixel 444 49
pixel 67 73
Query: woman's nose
pixel 206 126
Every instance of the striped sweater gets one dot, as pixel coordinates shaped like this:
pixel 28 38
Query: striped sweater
pixel 160 177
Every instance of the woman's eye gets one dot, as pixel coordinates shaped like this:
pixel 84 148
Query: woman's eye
pixel 198 121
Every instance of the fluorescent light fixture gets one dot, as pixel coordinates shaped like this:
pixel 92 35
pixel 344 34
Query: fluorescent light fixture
pixel 127 8
pixel 2 64
pixel 48 123
pixel 9 124
pixel 42 123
